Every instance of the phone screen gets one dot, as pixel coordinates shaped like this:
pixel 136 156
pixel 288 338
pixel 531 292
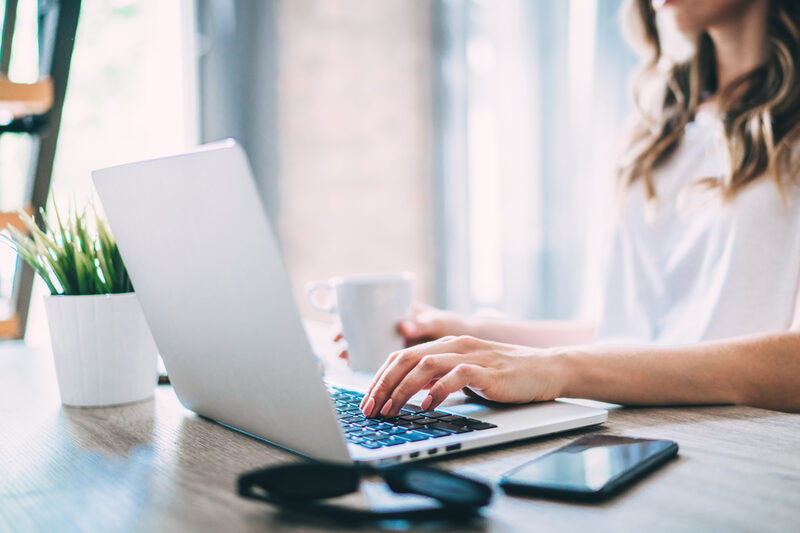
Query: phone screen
pixel 589 464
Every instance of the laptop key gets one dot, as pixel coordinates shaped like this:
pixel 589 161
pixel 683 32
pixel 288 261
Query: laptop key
pixel 369 444
pixel 447 426
pixel 392 441
pixel 396 431
pixel 413 436
pixel 434 414
pixel 482 425
pixel 342 394
pixel 454 419
pixel 433 432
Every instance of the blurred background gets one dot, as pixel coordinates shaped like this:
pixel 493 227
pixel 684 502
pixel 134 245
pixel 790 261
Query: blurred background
pixel 468 141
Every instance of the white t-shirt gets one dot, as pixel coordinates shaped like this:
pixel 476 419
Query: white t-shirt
pixel 691 267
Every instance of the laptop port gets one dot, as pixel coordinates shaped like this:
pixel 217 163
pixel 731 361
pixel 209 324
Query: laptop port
pixel 413 455
pixel 453 447
pixel 432 451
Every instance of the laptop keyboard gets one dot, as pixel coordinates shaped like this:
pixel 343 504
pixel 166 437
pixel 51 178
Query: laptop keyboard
pixel 411 425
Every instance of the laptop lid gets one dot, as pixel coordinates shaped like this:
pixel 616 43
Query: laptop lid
pixel 206 268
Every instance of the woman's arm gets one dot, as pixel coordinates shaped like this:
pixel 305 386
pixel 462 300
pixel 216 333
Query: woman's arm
pixel 758 370
pixel 429 323
pixel 539 333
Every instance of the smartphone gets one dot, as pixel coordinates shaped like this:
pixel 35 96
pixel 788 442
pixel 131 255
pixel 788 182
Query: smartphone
pixel 591 468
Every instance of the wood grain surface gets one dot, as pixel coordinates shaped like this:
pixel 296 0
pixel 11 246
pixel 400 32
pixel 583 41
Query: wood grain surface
pixel 154 466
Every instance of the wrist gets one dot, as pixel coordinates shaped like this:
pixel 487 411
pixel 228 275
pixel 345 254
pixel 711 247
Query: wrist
pixel 568 363
pixel 545 374
pixel 472 326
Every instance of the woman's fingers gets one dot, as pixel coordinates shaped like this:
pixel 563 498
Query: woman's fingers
pixel 464 375
pixel 422 323
pixel 397 364
pixel 386 364
pixel 401 363
pixel 378 374
pixel 412 329
pixel 426 372
pixel 342 351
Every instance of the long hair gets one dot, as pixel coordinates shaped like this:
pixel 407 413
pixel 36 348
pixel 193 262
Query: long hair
pixel 761 109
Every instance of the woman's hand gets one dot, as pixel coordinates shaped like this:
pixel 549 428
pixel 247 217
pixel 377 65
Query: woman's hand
pixel 492 370
pixel 425 323
pixel 428 323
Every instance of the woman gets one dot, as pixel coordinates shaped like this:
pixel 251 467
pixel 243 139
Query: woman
pixel 702 286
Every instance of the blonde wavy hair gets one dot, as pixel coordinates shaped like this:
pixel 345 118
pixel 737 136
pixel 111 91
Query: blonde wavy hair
pixel 761 109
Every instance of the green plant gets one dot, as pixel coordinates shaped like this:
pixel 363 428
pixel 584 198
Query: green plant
pixel 78 256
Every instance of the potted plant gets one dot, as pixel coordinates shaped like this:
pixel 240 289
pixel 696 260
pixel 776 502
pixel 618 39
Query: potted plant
pixel 103 350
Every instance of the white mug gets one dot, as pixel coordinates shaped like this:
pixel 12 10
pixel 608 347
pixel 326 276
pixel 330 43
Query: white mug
pixel 370 308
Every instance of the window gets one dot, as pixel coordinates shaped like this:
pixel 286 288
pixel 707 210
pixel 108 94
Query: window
pixel 530 96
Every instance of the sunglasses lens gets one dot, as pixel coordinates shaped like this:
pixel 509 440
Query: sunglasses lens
pixel 305 481
pixel 448 488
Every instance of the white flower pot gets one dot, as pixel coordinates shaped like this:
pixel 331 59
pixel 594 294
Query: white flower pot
pixel 103 350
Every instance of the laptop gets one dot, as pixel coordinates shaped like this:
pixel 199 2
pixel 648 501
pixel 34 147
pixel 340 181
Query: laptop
pixel 208 273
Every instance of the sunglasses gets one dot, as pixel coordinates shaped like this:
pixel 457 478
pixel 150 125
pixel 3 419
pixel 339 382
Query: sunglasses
pixel 300 486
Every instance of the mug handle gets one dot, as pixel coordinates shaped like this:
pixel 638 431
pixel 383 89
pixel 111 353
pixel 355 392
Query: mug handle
pixel 315 286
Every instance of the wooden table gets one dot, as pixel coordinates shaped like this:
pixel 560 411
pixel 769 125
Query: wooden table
pixel 154 466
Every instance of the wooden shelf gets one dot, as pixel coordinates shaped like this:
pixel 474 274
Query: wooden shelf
pixel 13 219
pixel 10 328
pixel 35 109
pixel 24 99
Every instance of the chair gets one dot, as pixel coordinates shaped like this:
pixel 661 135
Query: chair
pixel 35 109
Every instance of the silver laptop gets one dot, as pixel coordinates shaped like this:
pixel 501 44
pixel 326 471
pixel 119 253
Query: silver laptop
pixel 210 278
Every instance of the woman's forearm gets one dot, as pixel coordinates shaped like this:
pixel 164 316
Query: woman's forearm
pixel 541 334
pixel 758 370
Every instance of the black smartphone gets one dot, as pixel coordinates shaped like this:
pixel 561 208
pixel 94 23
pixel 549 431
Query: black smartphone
pixel 590 468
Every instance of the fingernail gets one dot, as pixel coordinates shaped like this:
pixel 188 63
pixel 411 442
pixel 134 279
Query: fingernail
pixel 426 402
pixel 368 406
pixel 386 407
pixel 409 327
